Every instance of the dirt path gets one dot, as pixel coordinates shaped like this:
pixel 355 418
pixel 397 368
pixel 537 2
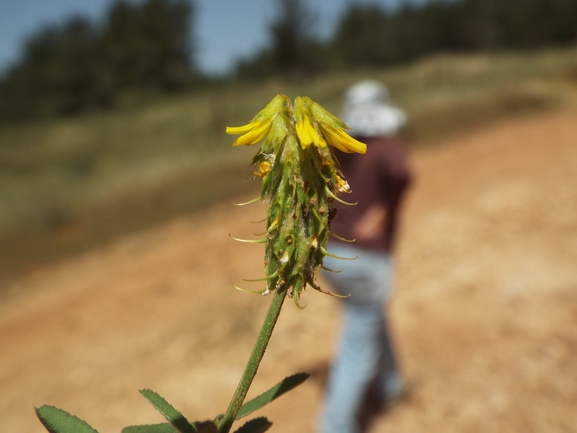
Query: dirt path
pixel 485 313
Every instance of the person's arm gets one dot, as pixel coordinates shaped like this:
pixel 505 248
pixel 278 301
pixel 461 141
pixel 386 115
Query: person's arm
pixel 394 176
pixel 372 224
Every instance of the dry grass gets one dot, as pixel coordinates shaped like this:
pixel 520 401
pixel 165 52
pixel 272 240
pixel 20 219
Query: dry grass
pixel 72 183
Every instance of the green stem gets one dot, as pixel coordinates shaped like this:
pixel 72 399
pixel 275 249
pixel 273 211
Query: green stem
pixel 253 362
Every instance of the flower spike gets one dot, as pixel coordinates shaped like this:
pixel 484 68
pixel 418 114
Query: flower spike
pixel 301 179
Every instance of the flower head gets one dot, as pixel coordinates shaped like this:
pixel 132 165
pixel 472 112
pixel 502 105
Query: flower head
pixel 316 125
pixel 302 179
pixel 257 129
pixel 307 133
pixel 333 129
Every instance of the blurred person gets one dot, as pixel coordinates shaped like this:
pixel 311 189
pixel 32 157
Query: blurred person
pixel 365 359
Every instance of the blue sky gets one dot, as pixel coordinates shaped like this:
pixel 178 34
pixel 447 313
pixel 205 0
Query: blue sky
pixel 224 29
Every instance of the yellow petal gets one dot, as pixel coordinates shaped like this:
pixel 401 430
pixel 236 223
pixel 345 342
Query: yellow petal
pixel 320 141
pixel 240 129
pixel 304 133
pixel 343 141
pixel 307 134
pixel 255 135
pixel 274 107
pixel 264 168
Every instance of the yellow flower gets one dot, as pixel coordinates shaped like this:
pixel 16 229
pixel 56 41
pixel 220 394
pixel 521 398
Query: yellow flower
pixel 264 168
pixel 333 129
pixel 316 125
pixel 260 125
pixel 342 141
pixel 253 132
pixel 306 132
pixel 342 185
pixel 301 182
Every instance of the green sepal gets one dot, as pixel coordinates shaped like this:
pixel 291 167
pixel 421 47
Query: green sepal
pixel 257 425
pixel 276 391
pixel 151 428
pixel 170 413
pixel 59 421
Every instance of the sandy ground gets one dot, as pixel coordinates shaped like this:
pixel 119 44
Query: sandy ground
pixel 485 313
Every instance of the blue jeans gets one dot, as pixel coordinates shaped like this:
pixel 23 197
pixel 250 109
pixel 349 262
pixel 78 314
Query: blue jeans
pixel 365 355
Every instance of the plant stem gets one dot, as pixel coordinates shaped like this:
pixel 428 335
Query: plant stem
pixel 254 361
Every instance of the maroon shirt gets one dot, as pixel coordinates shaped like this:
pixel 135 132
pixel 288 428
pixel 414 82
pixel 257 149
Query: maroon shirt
pixel 379 177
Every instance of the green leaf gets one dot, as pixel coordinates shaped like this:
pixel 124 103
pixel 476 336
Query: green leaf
pixel 170 413
pixel 59 421
pixel 200 426
pixel 151 428
pixel 257 425
pixel 276 391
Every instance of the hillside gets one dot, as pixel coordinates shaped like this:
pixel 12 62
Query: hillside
pixel 485 312
pixel 69 185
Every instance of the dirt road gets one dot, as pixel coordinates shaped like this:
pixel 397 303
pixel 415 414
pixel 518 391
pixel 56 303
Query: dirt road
pixel 485 312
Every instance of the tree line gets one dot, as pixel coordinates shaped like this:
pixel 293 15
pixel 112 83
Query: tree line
pixel 368 36
pixel 81 65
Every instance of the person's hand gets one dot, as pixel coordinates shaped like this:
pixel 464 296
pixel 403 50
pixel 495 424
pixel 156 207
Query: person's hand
pixel 372 223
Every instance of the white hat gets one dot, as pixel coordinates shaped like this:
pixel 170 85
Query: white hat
pixel 368 112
